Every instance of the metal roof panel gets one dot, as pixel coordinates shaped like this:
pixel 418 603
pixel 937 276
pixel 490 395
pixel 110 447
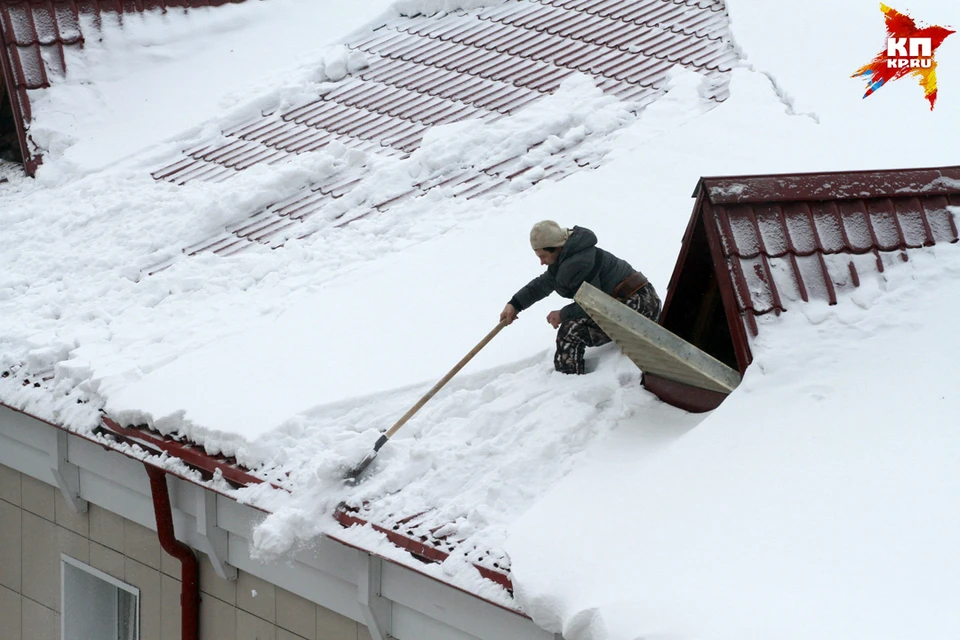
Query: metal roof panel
pixel 482 63
pixel 794 237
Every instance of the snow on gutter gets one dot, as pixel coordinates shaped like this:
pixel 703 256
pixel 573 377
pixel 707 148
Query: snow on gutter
pixel 329 574
pixel 191 464
pixel 235 474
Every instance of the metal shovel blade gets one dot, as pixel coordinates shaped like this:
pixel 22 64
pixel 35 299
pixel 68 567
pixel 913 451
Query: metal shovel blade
pixel 353 474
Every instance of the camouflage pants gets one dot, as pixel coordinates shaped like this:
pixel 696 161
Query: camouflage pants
pixel 574 336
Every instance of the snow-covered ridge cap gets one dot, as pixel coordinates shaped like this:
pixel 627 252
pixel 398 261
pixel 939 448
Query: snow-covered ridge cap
pixel 835 185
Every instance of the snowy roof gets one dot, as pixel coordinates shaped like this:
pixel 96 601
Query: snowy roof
pixel 376 107
pixel 396 81
pixel 36 35
pixel 291 362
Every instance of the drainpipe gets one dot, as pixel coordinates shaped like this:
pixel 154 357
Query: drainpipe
pixel 190 568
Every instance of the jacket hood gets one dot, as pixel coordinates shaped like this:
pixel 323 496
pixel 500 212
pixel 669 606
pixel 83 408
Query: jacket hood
pixel 580 239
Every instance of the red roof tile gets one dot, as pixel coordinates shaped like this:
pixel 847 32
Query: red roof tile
pixel 787 239
pixel 781 240
pixel 480 64
pixel 35 35
pixel 761 244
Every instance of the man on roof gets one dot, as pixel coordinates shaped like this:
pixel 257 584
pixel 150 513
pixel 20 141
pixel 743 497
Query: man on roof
pixel 572 257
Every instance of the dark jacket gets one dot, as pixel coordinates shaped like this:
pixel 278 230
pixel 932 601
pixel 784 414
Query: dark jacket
pixel 577 259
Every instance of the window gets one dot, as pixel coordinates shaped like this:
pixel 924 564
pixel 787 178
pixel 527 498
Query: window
pixel 96 606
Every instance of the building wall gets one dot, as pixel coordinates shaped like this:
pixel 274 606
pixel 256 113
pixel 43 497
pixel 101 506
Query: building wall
pixel 36 526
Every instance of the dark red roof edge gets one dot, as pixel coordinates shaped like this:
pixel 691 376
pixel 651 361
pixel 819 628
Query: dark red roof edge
pixel 831 185
pixel 106 447
pixel 427 575
pixel 31 162
pixel 418 548
pixel 199 459
pixel 738 334
pixel 684 396
pixel 188 452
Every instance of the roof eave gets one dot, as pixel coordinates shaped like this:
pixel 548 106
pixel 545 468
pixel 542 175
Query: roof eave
pixel 830 185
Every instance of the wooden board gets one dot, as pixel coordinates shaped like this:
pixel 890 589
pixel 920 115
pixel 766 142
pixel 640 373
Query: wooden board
pixel 654 349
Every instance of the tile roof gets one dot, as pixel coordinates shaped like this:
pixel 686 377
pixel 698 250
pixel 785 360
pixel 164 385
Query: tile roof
pixel 787 239
pixel 36 34
pixel 761 244
pixel 483 64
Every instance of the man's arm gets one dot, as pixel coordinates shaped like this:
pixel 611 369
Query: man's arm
pixel 534 291
pixel 572 311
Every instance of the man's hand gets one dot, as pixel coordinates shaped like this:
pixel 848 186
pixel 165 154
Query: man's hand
pixel 509 314
pixel 554 319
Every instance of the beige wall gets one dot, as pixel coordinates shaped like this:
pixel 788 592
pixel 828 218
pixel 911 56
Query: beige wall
pixel 36 526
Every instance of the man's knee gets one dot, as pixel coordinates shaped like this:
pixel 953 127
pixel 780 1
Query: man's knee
pixel 646 302
pixel 570 347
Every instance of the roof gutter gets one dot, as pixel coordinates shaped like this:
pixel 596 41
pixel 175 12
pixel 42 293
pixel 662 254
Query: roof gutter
pixel 155 444
pixel 190 567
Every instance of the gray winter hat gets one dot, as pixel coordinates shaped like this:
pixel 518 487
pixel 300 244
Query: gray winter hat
pixel 548 233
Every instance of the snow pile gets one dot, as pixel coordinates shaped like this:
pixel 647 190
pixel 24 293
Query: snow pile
pixel 339 61
pixel 579 116
pixel 471 461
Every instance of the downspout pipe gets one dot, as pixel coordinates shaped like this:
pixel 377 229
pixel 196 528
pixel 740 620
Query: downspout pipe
pixel 190 567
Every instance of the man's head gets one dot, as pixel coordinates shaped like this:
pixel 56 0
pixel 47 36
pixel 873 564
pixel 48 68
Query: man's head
pixel 547 238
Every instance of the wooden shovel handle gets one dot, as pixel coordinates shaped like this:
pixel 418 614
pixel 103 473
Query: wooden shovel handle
pixel 480 345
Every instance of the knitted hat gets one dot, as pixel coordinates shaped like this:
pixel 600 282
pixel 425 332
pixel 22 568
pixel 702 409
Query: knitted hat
pixel 548 233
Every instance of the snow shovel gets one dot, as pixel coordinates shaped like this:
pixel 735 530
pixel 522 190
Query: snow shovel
pixel 351 475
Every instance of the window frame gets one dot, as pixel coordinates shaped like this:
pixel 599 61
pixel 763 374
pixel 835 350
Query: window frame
pixel 86 568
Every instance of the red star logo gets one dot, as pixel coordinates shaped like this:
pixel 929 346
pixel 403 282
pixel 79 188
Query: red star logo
pixel 910 51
